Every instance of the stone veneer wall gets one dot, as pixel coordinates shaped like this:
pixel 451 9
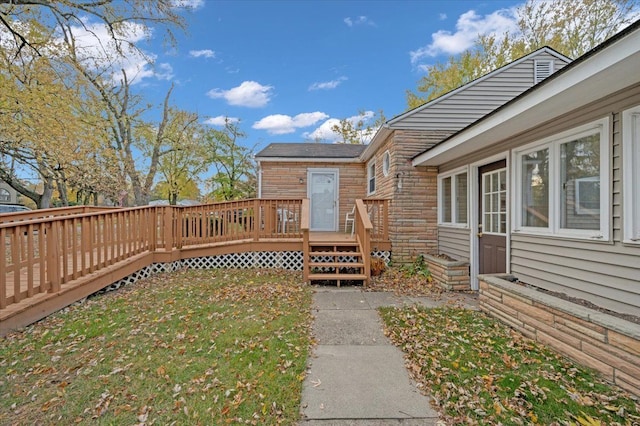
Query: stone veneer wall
pixel 451 275
pixel 413 193
pixel 605 343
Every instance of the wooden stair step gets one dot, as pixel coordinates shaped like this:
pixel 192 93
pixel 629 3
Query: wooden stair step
pixel 336 264
pixel 342 277
pixel 336 253
pixel 333 246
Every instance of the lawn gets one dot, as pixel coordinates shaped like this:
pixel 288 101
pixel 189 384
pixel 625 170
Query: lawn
pixel 481 372
pixel 191 347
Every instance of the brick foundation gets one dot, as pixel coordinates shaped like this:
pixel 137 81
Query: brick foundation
pixel 451 275
pixel 605 343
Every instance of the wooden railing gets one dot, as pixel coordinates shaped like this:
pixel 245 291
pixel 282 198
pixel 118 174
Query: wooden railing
pixel 378 212
pixel 53 212
pixel 363 229
pixel 41 253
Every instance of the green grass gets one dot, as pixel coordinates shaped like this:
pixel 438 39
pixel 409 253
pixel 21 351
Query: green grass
pixel 481 372
pixel 192 347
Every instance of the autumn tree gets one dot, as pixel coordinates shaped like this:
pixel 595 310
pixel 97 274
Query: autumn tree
pixel 359 129
pixel 42 130
pixel 117 16
pixel 185 156
pixel 234 168
pixel 572 27
pixel 54 139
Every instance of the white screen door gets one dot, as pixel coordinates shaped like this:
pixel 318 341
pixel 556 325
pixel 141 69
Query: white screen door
pixel 323 196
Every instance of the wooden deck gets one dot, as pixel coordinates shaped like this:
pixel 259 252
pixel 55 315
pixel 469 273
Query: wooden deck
pixel 49 261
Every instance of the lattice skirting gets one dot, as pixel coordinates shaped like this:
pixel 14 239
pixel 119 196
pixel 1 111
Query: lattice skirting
pixel 291 260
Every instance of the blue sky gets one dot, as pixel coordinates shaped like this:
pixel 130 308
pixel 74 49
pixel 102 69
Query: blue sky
pixel 288 69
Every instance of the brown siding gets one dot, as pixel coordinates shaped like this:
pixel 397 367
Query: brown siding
pixel 282 180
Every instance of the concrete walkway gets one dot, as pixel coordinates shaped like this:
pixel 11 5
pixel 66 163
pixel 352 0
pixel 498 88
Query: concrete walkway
pixel 355 375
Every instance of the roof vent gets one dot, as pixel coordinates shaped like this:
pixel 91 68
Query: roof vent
pixel 542 70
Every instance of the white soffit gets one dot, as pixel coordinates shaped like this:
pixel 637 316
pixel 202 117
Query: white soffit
pixel 607 71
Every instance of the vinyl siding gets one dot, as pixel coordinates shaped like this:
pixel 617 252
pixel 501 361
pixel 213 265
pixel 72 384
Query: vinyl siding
pixel 474 102
pixel 454 242
pixel 605 273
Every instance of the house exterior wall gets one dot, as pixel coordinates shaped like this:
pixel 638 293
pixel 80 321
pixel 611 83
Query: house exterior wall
pixel 454 242
pixel 474 102
pixel 12 194
pixel 603 272
pixel 282 180
pixel 412 191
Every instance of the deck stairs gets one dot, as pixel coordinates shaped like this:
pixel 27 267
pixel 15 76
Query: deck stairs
pixel 336 261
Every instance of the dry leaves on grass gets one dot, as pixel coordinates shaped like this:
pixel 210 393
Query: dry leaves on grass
pixel 481 372
pixel 208 347
pixel 402 283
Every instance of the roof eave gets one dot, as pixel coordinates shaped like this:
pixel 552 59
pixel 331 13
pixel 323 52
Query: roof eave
pixel 604 72
pixel 307 160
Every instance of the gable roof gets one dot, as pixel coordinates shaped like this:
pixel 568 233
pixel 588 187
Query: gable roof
pixel 607 68
pixel 458 108
pixel 310 151
pixel 397 120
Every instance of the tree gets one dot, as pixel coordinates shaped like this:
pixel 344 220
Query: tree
pixel 42 131
pixel 235 169
pixel 60 15
pixel 66 118
pixel 359 129
pixel 572 27
pixel 184 159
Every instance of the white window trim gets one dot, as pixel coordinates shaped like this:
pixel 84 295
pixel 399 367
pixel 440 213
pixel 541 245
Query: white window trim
pixel 371 165
pixel 386 165
pixel 630 175
pixel 441 177
pixel 553 144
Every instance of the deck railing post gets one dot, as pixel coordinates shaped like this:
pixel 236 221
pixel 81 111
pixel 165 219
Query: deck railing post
pixel 53 257
pixel 256 219
pixel 167 216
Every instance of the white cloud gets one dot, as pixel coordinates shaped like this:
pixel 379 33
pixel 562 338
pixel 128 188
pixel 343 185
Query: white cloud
pixel 325 132
pixel 207 53
pixel 220 120
pixel 442 16
pixel 360 20
pixel 188 4
pixel 249 94
pixel 327 85
pixel 280 124
pixel 468 27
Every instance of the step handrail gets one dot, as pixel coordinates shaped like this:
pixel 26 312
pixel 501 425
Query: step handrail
pixel 363 228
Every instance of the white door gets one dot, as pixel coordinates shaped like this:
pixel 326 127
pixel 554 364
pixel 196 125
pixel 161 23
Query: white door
pixel 323 196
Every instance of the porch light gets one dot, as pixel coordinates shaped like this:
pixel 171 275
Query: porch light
pixel 301 180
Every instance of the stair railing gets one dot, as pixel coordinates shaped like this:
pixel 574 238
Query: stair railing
pixel 363 229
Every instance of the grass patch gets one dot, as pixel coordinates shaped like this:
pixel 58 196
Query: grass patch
pixel 191 347
pixel 482 372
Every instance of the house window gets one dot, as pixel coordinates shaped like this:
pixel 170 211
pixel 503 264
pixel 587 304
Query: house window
pixel 563 184
pixel 371 177
pixel 631 174
pixel 453 198
pixel 4 195
pixel 386 163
